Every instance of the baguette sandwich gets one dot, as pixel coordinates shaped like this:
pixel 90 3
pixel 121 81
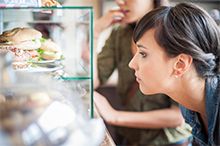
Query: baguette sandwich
pixel 23 38
pixel 19 57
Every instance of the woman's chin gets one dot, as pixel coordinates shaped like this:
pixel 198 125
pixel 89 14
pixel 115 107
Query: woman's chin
pixel 127 20
pixel 149 90
pixel 145 91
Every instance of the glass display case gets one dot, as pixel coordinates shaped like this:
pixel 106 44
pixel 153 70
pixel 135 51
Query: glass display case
pixel 71 29
pixel 49 102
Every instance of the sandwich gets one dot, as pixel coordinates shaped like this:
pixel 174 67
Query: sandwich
pixel 20 57
pixel 49 50
pixel 23 38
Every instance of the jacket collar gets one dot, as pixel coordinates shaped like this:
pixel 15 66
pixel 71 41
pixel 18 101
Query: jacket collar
pixel 212 92
pixel 212 98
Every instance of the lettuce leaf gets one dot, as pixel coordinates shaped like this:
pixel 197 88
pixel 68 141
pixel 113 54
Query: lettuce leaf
pixel 44 40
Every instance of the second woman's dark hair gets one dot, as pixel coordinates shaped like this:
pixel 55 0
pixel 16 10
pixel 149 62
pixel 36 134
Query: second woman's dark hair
pixel 157 3
pixel 185 28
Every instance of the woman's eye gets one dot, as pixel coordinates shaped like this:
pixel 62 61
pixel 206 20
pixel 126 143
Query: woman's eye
pixel 143 54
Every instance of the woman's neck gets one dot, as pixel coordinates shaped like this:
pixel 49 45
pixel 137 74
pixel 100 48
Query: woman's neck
pixel 190 93
pixel 193 98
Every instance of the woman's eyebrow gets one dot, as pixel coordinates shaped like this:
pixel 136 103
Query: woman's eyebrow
pixel 141 46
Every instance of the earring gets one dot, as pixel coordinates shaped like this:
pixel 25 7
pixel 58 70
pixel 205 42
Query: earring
pixel 177 74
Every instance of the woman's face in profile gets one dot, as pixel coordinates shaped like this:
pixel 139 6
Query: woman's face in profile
pixel 153 69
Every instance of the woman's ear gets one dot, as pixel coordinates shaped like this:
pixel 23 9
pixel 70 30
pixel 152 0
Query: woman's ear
pixel 182 64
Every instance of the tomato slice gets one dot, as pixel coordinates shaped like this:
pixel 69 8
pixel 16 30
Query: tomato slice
pixel 23 41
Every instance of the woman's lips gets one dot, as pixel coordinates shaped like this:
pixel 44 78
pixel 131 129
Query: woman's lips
pixel 138 79
pixel 125 12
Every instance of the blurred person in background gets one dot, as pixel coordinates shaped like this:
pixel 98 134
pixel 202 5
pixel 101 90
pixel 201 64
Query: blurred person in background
pixel 179 55
pixel 145 119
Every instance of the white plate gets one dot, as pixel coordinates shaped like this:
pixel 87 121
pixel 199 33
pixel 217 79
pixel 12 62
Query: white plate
pixel 41 69
pixel 45 61
pixel 49 61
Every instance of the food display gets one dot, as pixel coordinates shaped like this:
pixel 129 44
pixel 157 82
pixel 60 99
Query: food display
pixel 26 45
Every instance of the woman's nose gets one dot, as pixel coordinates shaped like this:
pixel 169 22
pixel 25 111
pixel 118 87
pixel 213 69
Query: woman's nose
pixel 132 64
pixel 120 2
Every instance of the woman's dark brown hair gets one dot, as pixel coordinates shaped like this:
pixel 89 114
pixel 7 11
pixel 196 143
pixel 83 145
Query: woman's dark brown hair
pixel 157 3
pixel 185 28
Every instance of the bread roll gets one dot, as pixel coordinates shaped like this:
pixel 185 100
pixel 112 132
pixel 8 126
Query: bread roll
pixel 51 50
pixel 20 34
pixel 50 46
pixel 22 38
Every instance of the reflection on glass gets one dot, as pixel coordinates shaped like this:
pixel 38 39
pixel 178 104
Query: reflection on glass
pixel 56 115
pixel 58 135
pixel 31 134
